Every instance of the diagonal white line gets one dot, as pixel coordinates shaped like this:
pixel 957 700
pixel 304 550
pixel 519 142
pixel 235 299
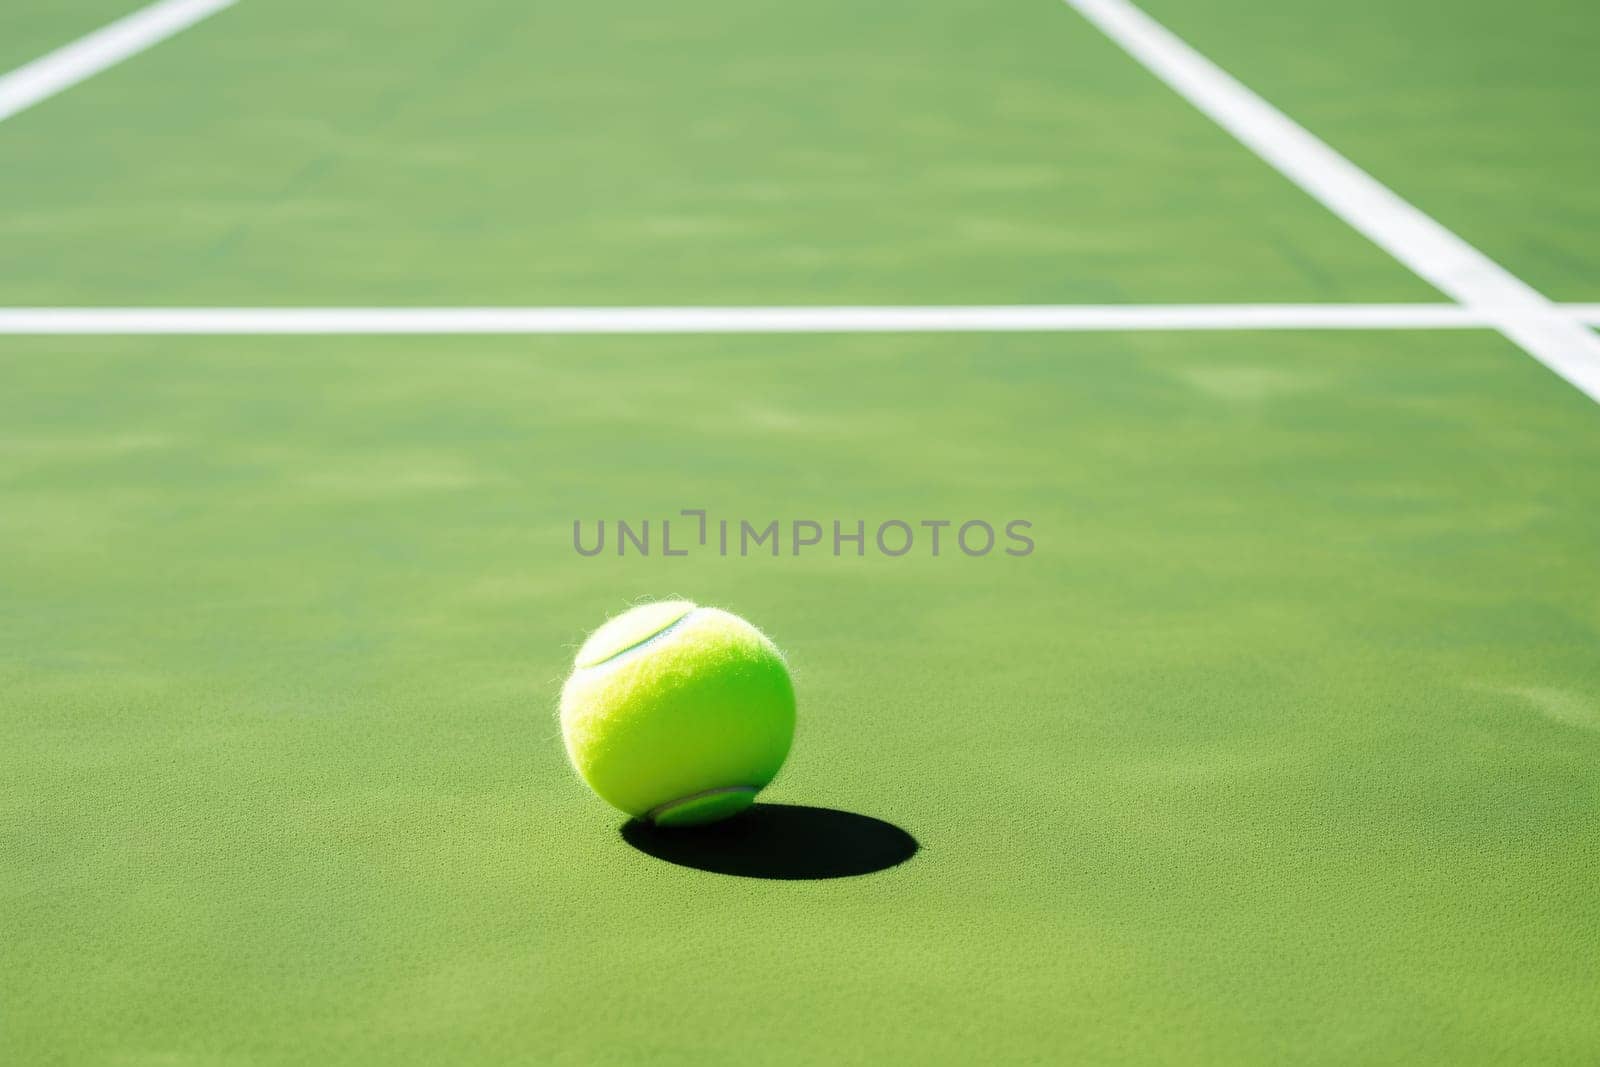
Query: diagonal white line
pixel 670 320
pixel 105 47
pixel 1457 269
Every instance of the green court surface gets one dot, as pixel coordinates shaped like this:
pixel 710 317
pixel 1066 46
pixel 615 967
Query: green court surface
pixel 1482 113
pixel 1282 745
pixel 27 31
pixel 625 154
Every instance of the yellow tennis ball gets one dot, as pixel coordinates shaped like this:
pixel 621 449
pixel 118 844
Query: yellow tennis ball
pixel 678 714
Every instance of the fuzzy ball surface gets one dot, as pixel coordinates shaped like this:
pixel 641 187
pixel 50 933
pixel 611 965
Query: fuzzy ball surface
pixel 678 714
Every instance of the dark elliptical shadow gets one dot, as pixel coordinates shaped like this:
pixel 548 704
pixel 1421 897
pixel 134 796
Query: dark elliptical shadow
pixel 783 841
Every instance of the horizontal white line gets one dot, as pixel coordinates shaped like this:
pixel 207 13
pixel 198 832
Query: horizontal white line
pixel 105 47
pixel 671 320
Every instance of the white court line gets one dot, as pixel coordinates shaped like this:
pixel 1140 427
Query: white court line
pixel 1061 318
pixel 1490 296
pixel 1589 313
pixel 670 320
pixel 1457 269
pixel 105 47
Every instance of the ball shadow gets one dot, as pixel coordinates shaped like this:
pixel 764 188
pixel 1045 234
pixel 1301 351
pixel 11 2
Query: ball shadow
pixel 784 841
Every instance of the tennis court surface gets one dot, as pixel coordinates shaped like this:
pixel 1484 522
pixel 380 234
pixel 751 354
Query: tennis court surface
pixel 330 333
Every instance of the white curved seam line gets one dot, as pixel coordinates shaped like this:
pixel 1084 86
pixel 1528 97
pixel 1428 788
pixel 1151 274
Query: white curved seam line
pixel 612 660
pixel 719 791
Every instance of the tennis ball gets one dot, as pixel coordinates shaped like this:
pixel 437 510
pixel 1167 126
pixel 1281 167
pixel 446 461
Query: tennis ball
pixel 678 714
